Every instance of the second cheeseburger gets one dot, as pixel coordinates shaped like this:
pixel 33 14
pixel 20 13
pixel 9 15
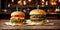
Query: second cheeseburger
pixel 17 18
pixel 37 17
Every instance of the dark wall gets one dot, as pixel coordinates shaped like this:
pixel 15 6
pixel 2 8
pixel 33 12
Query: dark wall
pixel 3 4
pixel 0 4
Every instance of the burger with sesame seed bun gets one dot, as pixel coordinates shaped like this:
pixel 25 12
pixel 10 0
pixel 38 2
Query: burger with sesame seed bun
pixel 37 17
pixel 17 18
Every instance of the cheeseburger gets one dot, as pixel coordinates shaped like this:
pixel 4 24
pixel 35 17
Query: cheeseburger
pixel 37 17
pixel 17 18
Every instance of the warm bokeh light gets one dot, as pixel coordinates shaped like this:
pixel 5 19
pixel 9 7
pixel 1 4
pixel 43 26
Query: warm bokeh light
pixel 5 10
pixel 42 3
pixel 53 3
pixel 8 5
pixel 24 2
pixel 12 0
pixel 29 0
pixel 43 0
pixel 58 0
pixel 46 3
pixel 20 2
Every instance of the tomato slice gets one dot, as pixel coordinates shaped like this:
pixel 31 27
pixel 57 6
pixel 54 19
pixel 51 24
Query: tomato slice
pixel 19 16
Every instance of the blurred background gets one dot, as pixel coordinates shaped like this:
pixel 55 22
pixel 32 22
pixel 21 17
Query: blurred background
pixel 52 7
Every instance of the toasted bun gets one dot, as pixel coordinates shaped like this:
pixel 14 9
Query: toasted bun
pixel 37 11
pixel 17 13
pixel 19 24
pixel 37 23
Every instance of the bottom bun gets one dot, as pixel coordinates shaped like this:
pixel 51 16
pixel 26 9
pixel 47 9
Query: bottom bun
pixel 36 23
pixel 19 24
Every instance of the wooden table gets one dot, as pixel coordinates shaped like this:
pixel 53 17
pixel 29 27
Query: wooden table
pixel 55 26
